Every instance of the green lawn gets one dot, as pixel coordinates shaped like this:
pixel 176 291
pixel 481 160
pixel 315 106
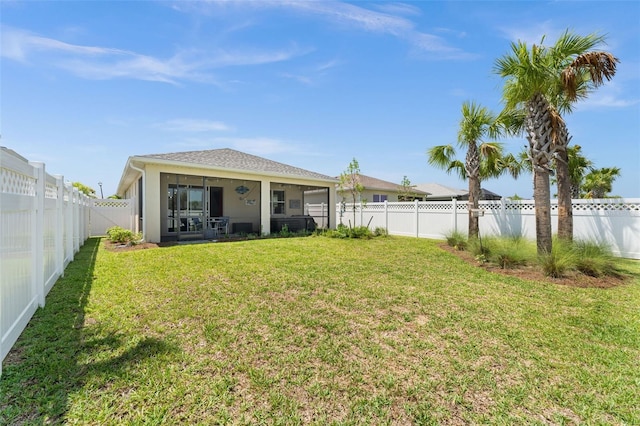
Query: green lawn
pixel 321 331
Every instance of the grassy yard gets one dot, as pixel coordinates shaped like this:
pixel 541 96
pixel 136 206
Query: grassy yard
pixel 321 331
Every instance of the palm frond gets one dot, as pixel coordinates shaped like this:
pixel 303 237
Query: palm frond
pixel 457 166
pixel 441 156
pixel 598 66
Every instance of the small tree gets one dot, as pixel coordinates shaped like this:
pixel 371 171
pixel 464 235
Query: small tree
pixel 86 190
pixel 405 192
pixel 350 185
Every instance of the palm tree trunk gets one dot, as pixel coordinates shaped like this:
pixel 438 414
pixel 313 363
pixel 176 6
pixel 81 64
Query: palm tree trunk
pixel 541 198
pixel 539 128
pixel 565 208
pixel 472 166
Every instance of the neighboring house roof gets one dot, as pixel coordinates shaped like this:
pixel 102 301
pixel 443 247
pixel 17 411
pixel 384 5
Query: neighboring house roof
pixel 485 194
pixel 441 192
pixel 437 191
pixel 371 183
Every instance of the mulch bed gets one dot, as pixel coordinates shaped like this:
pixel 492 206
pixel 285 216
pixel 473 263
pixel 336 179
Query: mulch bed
pixel 534 273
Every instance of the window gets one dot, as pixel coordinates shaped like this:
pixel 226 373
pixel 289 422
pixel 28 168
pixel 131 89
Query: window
pixel 277 202
pixel 379 198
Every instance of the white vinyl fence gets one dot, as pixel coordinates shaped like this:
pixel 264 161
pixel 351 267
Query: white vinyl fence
pixel 612 221
pixel 108 213
pixel 43 223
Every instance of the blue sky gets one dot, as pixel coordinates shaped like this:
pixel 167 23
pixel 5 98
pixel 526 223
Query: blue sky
pixel 85 85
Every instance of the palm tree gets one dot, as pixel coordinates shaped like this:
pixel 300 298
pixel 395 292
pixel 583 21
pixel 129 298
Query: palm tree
pixel 578 165
pixel 598 183
pixel 544 82
pixel 481 160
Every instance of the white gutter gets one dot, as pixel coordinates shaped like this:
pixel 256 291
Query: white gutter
pixel 144 203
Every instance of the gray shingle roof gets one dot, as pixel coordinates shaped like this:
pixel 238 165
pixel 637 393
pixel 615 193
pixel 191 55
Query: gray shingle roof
pixel 235 160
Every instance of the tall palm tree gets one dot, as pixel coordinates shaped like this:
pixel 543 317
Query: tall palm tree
pixel 481 161
pixel 544 82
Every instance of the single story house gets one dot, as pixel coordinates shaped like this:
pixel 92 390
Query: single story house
pixel 443 193
pixel 202 194
pixel 375 191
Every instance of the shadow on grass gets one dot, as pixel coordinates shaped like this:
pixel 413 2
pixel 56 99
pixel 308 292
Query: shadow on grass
pixel 45 367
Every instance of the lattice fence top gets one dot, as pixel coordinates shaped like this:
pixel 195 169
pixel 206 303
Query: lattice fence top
pixel 17 183
pixel 606 205
pixel 435 206
pixel 112 203
pixel 520 206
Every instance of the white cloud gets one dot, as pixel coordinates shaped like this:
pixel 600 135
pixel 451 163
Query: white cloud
pixel 18 45
pixel 193 125
pixel 299 78
pixel 399 9
pixel 389 19
pixel 101 63
pixel 532 33
pixel 605 101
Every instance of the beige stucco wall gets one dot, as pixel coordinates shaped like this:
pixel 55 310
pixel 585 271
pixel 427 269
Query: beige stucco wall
pixel 238 207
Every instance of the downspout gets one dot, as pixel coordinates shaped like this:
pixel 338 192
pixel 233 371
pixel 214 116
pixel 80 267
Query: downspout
pixel 144 204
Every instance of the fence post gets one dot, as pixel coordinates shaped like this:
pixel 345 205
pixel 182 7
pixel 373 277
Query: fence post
pixel 386 215
pixel 75 197
pixel 361 215
pixel 503 216
pixel 68 224
pixel 59 232
pixel 415 203
pixel 38 232
pixel 454 219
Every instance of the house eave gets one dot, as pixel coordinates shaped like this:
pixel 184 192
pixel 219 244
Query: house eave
pixel 126 181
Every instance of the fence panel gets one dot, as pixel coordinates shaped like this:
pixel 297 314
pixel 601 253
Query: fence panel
pixel 18 295
pixel 41 229
pixel 105 214
pixel 614 222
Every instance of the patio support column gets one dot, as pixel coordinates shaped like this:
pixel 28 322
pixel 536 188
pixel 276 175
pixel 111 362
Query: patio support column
pixel 265 207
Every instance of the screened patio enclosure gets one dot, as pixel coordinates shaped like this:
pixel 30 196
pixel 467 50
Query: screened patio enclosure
pixel 203 207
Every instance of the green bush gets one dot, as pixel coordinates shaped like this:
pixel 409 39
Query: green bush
pixel 512 252
pixel 481 248
pixel 380 232
pixel 456 239
pixel 343 231
pixel 559 261
pixel 117 234
pixel 594 259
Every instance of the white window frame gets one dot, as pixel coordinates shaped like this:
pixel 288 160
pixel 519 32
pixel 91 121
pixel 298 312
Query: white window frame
pixel 277 202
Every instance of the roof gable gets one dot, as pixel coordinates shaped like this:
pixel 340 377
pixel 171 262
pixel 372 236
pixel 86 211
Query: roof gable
pixel 230 159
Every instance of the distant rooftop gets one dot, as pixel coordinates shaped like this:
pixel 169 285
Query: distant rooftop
pixel 372 183
pixel 441 192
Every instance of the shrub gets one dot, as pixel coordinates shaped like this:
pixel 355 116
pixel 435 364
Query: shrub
pixel 559 261
pixel 456 239
pixel 511 252
pixel 120 235
pixel 343 231
pixel 594 259
pixel 481 248
pixel 380 232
